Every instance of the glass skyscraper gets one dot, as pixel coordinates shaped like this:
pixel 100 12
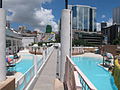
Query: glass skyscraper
pixel 116 16
pixel 83 18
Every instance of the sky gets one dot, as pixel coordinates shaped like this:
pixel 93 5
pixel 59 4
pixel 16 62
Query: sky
pixel 35 14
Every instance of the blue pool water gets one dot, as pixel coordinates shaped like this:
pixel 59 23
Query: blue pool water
pixel 24 64
pixel 100 77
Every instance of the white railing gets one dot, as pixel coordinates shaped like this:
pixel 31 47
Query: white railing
pixel 27 78
pixel 70 78
pixel 39 49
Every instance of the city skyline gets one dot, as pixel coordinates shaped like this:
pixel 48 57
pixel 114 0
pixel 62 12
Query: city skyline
pixel 53 8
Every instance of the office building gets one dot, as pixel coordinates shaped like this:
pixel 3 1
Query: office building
pixel 92 38
pixel 111 33
pixel 116 16
pixel 83 18
pixel 103 25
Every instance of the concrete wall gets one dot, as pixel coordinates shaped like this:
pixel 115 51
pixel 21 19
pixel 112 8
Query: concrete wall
pixel 8 84
pixel 27 40
pixel 108 48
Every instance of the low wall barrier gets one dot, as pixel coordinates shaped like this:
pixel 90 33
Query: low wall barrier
pixel 81 50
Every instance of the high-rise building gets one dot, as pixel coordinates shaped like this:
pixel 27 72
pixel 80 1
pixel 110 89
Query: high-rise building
pixel 103 25
pixel 116 16
pixel 111 33
pixel 83 18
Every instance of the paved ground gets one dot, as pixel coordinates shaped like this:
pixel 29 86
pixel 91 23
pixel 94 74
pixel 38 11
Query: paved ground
pixel 46 80
pixel 90 55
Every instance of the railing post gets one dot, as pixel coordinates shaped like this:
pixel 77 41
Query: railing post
pixel 35 64
pixel 35 46
pixel 43 54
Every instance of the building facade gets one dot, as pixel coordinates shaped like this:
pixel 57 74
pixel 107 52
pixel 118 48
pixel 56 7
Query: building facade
pixel 13 42
pixel 111 33
pixel 46 37
pixel 103 25
pixel 116 16
pixel 83 18
pixel 28 38
pixel 92 38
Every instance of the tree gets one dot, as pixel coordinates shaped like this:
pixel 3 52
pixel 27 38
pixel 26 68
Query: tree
pixel 57 38
pixel 79 42
pixel 116 41
pixel 48 29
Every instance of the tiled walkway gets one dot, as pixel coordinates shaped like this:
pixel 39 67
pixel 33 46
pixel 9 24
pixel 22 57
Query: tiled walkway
pixel 47 77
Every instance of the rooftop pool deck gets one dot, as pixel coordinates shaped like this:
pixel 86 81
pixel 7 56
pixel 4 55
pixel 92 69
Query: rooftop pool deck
pixel 101 78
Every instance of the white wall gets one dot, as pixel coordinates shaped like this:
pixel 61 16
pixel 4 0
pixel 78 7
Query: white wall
pixel 27 40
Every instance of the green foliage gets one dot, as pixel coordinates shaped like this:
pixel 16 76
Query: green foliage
pixel 116 74
pixel 48 29
pixel 40 43
pixel 79 43
pixel 32 44
pixel 57 38
pixel 116 41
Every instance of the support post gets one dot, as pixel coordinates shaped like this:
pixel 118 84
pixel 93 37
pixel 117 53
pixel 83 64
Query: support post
pixel 2 45
pixel 65 40
pixel 35 62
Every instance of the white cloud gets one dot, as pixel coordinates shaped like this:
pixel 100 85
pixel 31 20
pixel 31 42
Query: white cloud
pixel 110 22
pixel 30 12
pixel 103 16
pixel 45 17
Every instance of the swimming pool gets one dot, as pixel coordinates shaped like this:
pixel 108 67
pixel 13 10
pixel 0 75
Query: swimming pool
pixel 24 66
pixel 26 63
pixel 100 77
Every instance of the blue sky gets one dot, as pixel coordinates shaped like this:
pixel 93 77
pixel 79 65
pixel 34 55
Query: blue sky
pixel 104 7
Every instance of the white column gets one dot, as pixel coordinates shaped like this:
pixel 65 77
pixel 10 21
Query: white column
pixel 2 45
pixel 65 40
